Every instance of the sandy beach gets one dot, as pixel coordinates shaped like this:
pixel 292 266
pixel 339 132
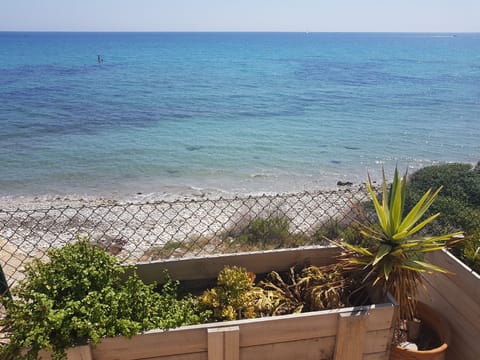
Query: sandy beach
pixel 130 227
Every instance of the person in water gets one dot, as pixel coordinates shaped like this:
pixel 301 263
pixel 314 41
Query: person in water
pixel 99 59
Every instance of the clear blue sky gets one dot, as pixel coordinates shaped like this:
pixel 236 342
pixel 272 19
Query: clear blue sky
pixel 241 15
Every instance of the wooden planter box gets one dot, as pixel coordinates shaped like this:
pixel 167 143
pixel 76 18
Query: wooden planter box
pixel 356 333
pixel 457 297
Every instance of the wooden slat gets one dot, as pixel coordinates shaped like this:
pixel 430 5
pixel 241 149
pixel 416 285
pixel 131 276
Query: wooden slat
pixel 192 356
pixel 79 353
pixel 258 262
pixel 457 297
pixel 464 344
pixel 352 330
pixel 232 343
pixel 460 301
pixel 153 344
pixel 380 317
pixel 215 344
pixel 288 328
pixel 377 356
pixel 378 341
pixel 308 325
pixel 223 343
pixel 461 275
pixel 311 349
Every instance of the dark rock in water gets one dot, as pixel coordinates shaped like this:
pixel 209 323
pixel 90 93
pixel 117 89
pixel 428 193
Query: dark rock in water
pixel 344 183
pixel 173 171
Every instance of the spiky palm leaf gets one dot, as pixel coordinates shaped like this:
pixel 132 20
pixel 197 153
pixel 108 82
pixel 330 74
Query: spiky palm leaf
pixel 395 262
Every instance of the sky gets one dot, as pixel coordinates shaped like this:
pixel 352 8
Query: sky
pixel 241 15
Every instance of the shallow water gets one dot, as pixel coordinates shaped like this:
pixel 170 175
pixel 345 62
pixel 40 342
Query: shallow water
pixel 241 112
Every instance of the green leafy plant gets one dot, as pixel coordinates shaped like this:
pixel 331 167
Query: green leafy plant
pixel 297 290
pixel 394 263
pixel 459 203
pixel 334 230
pixel 265 232
pixel 231 299
pixel 459 181
pixel 81 295
pixel 469 251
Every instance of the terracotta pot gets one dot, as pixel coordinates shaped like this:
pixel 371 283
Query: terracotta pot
pixel 436 322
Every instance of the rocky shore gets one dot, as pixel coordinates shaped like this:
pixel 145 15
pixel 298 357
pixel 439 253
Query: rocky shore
pixel 130 227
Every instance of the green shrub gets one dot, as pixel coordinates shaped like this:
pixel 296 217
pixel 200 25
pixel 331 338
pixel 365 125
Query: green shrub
pixel 459 197
pixel 458 202
pixel 457 214
pixel 460 181
pixel 80 296
pixel 262 233
pixel 469 251
pixel 265 232
pixel 232 298
pixel 299 290
pixel 338 231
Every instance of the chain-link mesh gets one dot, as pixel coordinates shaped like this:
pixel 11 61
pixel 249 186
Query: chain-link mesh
pixel 185 228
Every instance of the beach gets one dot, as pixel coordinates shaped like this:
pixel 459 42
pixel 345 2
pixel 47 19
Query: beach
pixel 130 229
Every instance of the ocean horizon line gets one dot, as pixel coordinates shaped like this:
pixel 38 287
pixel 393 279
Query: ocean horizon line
pixel 239 32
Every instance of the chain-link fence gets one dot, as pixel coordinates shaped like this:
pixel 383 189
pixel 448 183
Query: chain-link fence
pixel 184 228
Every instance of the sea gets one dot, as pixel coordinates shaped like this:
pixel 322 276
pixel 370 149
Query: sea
pixel 110 114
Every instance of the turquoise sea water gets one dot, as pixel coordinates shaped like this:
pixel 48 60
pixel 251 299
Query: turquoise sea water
pixel 243 112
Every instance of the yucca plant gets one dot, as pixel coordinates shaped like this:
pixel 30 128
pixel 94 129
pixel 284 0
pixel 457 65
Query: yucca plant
pixel 395 260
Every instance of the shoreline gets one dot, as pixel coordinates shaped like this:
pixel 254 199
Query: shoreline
pixel 32 202
pixel 184 189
